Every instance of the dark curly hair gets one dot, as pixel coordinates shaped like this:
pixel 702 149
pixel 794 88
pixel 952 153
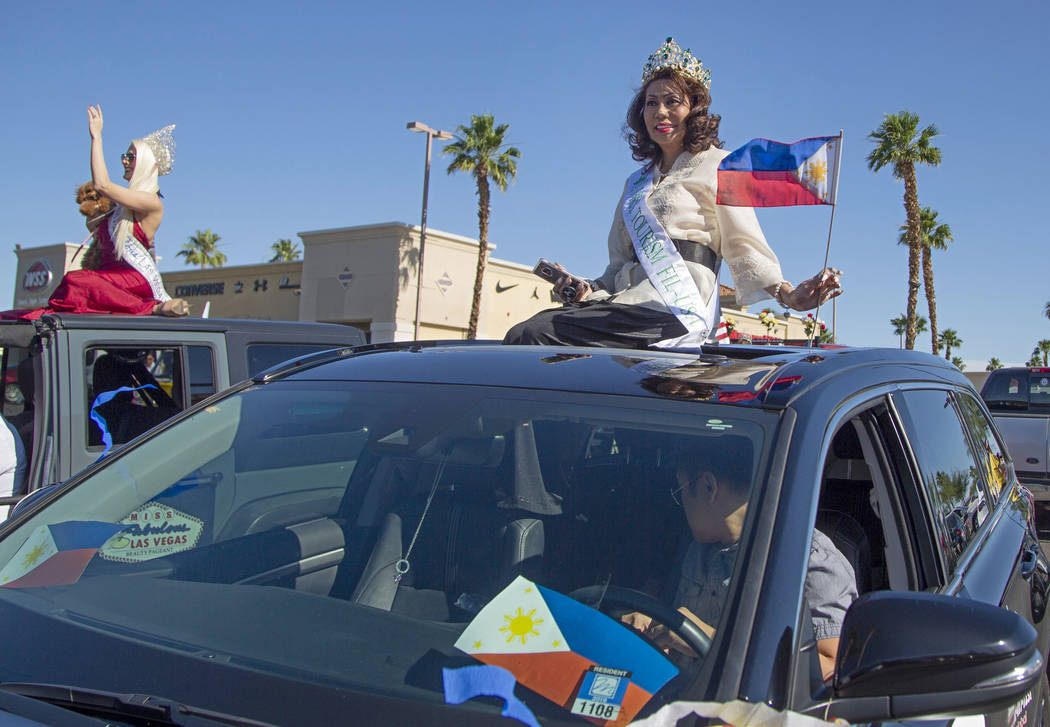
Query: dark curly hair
pixel 701 128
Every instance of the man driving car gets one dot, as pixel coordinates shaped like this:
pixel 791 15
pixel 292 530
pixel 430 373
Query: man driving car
pixel 713 488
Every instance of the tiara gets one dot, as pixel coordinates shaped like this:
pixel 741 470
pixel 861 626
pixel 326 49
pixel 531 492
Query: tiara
pixel 162 144
pixel 671 55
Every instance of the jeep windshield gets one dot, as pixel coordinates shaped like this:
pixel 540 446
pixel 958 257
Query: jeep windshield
pixel 365 536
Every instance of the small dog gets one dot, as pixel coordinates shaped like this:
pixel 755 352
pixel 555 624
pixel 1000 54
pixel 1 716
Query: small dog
pixel 94 207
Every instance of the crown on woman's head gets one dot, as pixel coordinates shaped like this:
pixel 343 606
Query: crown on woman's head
pixel 671 55
pixel 162 144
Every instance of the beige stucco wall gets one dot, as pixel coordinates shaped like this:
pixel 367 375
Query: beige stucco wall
pixel 350 274
pixel 509 293
pixel 369 273
pixel 266 291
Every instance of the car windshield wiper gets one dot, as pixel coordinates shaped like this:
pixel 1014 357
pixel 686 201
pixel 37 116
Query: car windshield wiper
pixel 132 709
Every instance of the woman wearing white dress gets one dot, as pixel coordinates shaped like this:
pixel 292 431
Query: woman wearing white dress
pixel 668 237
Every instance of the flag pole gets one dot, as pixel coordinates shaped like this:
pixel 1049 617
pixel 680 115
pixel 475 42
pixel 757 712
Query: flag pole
pixel 827 248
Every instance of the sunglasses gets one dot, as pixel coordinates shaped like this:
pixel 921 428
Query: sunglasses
pixel 127 157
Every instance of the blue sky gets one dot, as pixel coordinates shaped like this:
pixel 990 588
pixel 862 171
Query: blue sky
pixel 291 117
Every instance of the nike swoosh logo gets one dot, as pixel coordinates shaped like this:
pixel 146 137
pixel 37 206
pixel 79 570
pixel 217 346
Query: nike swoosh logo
pixel 500 288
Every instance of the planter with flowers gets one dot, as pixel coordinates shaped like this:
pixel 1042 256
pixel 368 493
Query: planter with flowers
pixel 813 327
pixel 730 326
pixel 767 319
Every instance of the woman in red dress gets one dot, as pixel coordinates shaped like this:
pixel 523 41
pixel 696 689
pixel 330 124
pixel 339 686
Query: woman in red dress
pixel 126 281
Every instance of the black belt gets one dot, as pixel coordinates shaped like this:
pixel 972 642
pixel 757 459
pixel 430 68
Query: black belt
pixel 697 252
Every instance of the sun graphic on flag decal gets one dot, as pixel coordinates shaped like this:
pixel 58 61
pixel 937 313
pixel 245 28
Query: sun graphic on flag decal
pixel 521 626
pixel 34 555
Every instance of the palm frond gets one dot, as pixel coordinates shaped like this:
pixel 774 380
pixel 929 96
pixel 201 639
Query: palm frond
pixel 900 145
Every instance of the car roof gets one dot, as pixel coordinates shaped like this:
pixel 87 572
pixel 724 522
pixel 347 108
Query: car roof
pixel 741 375
pixel 20 332
pixel 107 321
pixel 1020 370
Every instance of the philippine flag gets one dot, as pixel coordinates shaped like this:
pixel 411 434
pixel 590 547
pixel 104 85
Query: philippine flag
pixel 568 652
pixel 764 173
pixel 56 555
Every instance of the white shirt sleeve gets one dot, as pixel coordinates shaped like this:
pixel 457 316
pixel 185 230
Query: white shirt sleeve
pixel 750 259
pixel 620 254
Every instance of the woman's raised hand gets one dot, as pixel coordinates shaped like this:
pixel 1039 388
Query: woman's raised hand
pixel 815 291
pixel 95 121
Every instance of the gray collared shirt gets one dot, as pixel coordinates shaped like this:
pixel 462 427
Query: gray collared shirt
pixel 830 588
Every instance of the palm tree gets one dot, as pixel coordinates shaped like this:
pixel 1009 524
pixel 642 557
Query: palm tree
pixel 949 338
pixel 479 149
pixel 900 325
pixel 993 364
pixel 1046 310
pixel 1044 348
pixel 284 251
pixel 957 362
pixel 933 235
pixel 1035 359
pixel 900 144
pixel 203 249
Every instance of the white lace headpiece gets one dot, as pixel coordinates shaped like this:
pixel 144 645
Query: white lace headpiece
pixel 154 156
pixel 162 143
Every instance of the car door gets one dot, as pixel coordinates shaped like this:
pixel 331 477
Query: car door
pixel 180 373
pixel 926 512
pixel 986 547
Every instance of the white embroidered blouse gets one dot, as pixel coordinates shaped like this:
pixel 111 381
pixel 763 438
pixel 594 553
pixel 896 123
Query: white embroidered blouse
pixel 684 203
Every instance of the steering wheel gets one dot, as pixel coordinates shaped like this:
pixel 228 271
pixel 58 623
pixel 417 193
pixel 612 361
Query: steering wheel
pixel 633 600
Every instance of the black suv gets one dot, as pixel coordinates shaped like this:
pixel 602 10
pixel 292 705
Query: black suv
pixel 338 538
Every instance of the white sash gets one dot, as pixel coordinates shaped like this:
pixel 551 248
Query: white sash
pixel 665 267
pixel 135 255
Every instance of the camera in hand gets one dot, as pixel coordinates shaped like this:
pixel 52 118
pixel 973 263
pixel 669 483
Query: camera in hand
pixel 552 274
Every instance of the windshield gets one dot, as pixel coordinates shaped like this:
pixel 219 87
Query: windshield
pixel 371 534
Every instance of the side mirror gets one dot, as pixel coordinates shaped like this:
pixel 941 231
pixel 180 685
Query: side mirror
pixel 908 654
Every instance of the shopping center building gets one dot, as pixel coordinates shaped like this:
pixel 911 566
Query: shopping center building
pixel 364 276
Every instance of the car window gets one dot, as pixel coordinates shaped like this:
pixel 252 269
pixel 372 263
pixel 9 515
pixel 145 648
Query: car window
pixel 262 356
pixel 1039 388
pixel 1006 390
pixel 403 512
pixel 130 390
pixel 849 509
pixel 19 376
pixel 951 473
pixel 14 401
pixel 202 372
pixel 991 452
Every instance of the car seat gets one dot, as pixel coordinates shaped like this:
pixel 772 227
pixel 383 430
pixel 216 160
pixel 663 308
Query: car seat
pixel 850 539
pixel 124 417
pixel 845 513
pixel 463 533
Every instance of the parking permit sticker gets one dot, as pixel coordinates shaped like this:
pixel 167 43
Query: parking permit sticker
pixel 601 693
pixel 153 531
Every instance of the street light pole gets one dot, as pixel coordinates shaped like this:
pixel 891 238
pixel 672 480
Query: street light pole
pixel 440 136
